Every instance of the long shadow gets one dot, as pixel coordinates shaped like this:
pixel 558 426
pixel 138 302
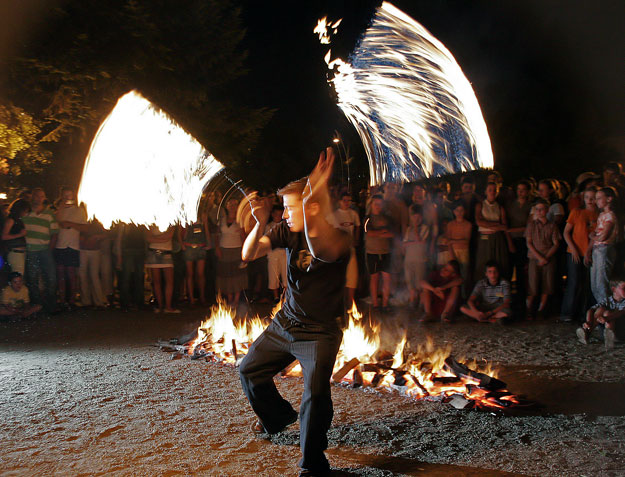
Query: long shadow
pixel 403 466
pixel 560 396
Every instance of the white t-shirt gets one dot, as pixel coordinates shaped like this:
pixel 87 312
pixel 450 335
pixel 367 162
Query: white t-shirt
pixel 346 220
pixel 230 235
pixel 70 237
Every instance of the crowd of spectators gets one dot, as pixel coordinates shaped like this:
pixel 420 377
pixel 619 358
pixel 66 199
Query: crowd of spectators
pixel 467 245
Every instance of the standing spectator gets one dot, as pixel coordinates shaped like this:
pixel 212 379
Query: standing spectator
pixel 543 239
pixel 231 276
pixel 67 251
pixel 430 215
pixel 14 235
pixel 347 219
pixel 547 192
pixel 584 181
pixel 91 292
pixel 210 270
pixel 579 225
pixel 41 231
pixel 378 243
pixel 160 262
pixel 276 258
pixel 415 251
pixel 194 242
pixel 106 267
pixel 610 172
pixel 458 235
pixel 506 195
pixel 517 214
pixel 490 217
pixel 601 249
pixel 130 255
pixel 469 197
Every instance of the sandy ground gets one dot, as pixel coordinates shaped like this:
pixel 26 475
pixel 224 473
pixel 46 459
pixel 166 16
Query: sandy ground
pixel 87 393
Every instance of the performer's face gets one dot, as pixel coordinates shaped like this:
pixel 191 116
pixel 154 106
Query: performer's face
pixel 293 212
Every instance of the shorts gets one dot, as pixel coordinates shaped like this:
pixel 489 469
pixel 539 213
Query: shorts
pixel 194 254
pixel 159 259
pixel 378 262
pixel 414 273
pixel 67 257
pixel 542 280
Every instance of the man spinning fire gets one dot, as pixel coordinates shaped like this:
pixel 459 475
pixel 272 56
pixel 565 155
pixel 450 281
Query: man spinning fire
pixel 308 327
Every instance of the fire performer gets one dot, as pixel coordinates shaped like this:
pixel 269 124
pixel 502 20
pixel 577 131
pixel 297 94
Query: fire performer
pixel 308 327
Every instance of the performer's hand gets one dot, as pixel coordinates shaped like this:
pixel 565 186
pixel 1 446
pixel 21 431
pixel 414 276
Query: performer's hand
pixel 319 177
pixel 260 209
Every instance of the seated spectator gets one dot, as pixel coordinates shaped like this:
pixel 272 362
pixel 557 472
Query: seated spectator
pixel 490 299
pixel 440 293
pixel 415 250
pixel 16 299
pixel 608 312
pixel 543 240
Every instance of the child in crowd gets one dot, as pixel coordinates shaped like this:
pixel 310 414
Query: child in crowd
pixel 601 249
pixel 607 312
pixel 458 235
pixel 441 292
pixel 579 225
pixel 543 239
pixel 378 243
pixel 415 251
pixel 16 299
pixel 490 299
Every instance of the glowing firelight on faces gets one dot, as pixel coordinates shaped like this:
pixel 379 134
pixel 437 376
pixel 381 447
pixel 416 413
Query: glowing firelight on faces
pixel 143 168
pixel 412 106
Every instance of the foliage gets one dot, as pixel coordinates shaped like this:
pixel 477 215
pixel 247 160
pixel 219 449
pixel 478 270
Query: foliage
pixel 184 56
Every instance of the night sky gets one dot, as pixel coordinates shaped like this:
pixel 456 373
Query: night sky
pixel 548 75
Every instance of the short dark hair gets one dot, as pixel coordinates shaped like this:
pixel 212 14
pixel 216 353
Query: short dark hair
pixel 467 180
pixel 13 275
pixel 613 166
pixel 455 265
pixel 491 264
pixel 377 196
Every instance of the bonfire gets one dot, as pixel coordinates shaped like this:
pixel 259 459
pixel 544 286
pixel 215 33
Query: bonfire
pixel 429 372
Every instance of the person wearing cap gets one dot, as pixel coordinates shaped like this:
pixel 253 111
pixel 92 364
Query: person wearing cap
pixel 583 182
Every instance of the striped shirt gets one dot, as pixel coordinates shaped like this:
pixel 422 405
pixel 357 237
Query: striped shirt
pixel 39 229
pixel 492 294
pixel 611 304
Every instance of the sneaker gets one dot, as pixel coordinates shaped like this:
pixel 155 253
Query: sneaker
pixel 582 335
pixel 608 338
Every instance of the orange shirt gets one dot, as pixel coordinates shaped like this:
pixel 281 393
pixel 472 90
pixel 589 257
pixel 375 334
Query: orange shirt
pixel 583 222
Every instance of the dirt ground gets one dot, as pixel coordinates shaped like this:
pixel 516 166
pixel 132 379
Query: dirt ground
pixel 87 393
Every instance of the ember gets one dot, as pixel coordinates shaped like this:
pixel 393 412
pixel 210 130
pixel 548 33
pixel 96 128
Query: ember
pixel 427 373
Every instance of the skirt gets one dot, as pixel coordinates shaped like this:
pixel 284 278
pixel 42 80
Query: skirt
pixel 492 247
pixel 231 278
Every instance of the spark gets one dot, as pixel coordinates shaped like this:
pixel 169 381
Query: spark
pixel 412 106
pixel 143 168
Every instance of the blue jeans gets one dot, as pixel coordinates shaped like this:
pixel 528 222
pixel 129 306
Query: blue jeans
pixel 275 349
pixel 40 266
pixel 603 257
pixel 576 293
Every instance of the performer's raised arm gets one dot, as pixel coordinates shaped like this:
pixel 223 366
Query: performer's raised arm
pixel 256 244
pixel 325 242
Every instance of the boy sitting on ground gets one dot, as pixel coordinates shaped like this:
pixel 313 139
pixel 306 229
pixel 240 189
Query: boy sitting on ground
pixel 606 313
pixel 490 299
pixel 441 292
pixel 15 298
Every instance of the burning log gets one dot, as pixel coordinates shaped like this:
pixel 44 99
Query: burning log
pixel 346 368
pixel 357 380
pixel 462 371
pixel 419 385
pixel 234 349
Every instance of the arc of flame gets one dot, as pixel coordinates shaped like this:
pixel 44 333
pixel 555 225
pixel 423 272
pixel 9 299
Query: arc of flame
pixel 143 168
pixel 407 97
